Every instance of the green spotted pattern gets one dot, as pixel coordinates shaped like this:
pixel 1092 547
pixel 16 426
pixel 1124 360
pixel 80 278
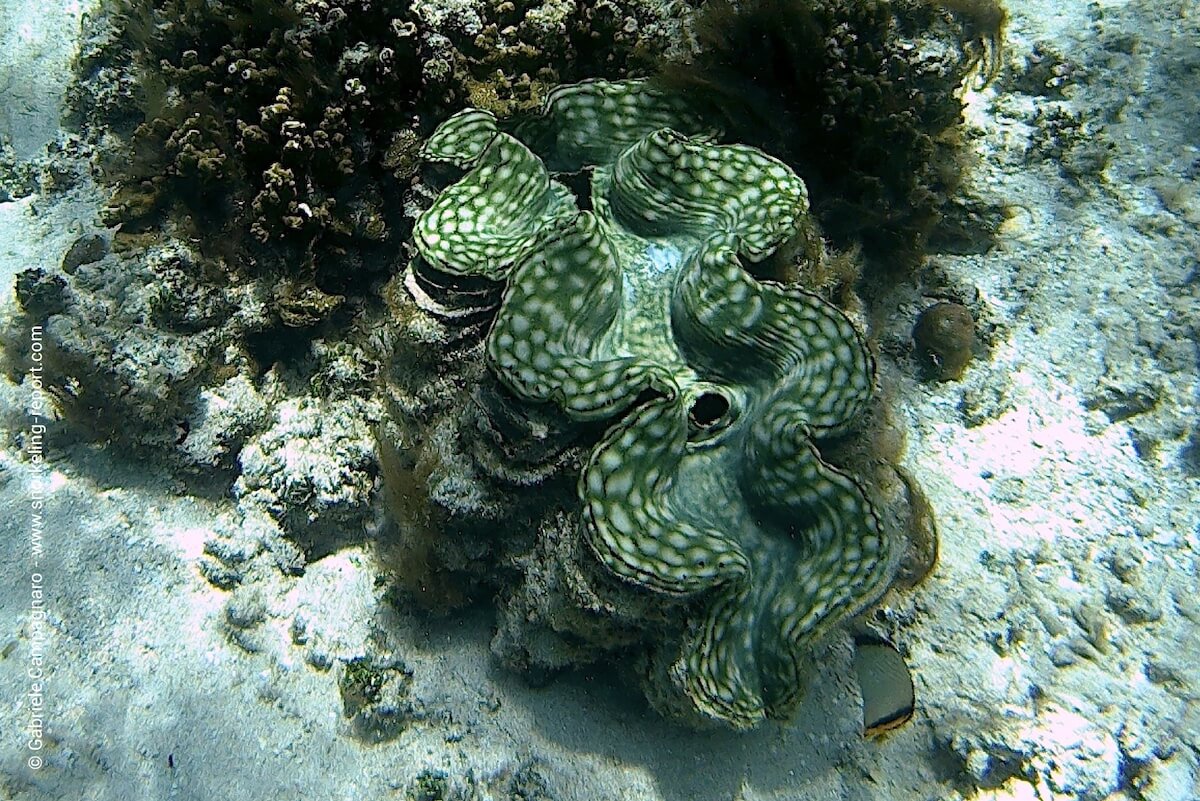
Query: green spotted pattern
pixel 742 331
pixel 668 184
pixel 558 305
pixel 624 112
pixel 840 534
pixel 716 387
pixel 825 559
pixel 462 138
pixel 637 510
pixel 493 218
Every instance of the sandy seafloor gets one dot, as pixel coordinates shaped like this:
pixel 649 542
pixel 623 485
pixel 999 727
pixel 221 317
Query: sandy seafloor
pixel 1054 649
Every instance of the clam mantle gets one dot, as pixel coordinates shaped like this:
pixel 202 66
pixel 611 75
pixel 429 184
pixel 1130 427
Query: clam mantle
pixel 636 305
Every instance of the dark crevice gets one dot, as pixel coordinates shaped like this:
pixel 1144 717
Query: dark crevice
pixel 708 409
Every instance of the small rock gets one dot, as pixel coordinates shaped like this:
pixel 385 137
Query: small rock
pixel 299 630
pixel 1062 656
pixel 376 697
pixel 87 249
pixel 1122 402
pixel 1132 606
pixel 40 293
pixel 945 335
pixel 220 575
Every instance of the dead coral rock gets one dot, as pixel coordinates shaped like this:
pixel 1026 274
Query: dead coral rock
pixel 185 300
pixel 85 250
pixel 302 305
pixel 313 471
pixel 111 365
pixel 1122 401
pixel 377 697
pixel 40 293
pixel 222 418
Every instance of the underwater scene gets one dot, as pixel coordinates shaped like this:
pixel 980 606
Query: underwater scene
pixel 600 400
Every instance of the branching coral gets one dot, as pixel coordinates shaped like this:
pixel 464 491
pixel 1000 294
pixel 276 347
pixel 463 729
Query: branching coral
pixel 264 129
pixel 644 313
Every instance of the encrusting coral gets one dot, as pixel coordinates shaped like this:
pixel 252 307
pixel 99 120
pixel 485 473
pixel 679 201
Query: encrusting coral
pixel 643 311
